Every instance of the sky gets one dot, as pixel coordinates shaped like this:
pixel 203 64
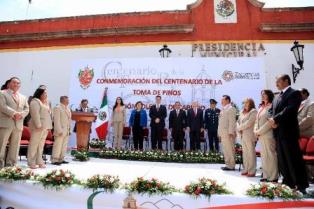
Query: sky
pixel 22 10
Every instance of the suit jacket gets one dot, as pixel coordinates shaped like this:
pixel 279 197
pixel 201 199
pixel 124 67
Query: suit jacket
pixel 118 116
pixel 143 118
pixel 227 121
pixel 195 122
pixel 285 113
pixel 8 107
pixel 306 118
pixel 62 120
pixel 177 122
pixel 262 127
pixel 245 124
pixel 161 114
pixel 40 115
pixel 211 119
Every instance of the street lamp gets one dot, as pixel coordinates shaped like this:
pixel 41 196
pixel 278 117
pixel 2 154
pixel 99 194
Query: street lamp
pixel 164 51
pixel 297 50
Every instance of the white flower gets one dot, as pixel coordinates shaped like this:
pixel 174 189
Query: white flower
pixel 58 173
pixel 272 186
pixel 67 175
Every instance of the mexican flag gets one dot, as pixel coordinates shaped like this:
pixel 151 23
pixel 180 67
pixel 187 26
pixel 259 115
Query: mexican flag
pixel 103 118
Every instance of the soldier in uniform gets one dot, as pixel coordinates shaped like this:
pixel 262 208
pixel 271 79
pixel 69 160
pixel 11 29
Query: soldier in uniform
pixel 211 125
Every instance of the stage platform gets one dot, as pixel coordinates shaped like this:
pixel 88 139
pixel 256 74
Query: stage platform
pixel 26 195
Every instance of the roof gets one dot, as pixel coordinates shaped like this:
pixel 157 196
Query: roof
pixel 196 23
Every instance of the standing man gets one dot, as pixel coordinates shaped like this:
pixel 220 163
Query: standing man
pixel 157 114
pixel 306 115
pixel 227 132
pixel 13 110
pixel 177 125
pixel 211 125
pixel 195 125
pixel 62 127
pixel 286 131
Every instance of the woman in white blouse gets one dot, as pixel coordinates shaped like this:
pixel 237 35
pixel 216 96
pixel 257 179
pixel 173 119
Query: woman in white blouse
pixel 245 128
pixel 118 120
pixel 264 132
pixel 40 123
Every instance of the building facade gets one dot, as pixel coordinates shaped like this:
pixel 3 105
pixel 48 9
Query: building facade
pixel 42 51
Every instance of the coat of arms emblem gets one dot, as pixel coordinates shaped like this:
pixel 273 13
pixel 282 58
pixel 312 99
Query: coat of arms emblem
pixel 102 115
pixel 225 8
pixel 86 76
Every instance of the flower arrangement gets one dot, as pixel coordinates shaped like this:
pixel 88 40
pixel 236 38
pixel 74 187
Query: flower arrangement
pixel 273 190
pixel 162 156
pixel 81 155
pixel 97 144
pixel 206 187
pixel 58 179
pixel 16 173
pixel 106 182
pixel 150 186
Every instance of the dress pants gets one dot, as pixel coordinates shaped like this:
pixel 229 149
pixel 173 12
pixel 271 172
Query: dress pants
pixel 291 164
pixel 59 148
pixel 228 151
pixel 138 133
pixel 13 136
pixel 269 158
pixel 178 136
pixel 213 141
pixel 118 132
pixel 195 143
pixel 249 155
pixel 156 136
pixel 36 147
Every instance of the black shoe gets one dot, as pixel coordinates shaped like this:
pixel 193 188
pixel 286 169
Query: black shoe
pixel 263 180
pixel 64 162
pixel 227 169
pixel 303 191
pixel 274 181
pixel 56 163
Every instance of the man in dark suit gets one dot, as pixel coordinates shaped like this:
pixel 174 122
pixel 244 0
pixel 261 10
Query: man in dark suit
pixel 195 125
pixel 286 131
pixel 157 114
pixel 211 119
pixel 177 125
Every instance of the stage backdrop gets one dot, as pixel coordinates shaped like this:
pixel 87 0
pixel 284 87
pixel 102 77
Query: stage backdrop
pixel 175 79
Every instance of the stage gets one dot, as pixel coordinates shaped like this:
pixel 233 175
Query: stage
pixel 27 195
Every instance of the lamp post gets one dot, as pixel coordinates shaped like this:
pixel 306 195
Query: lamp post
pixel 164 51
pixel 297 50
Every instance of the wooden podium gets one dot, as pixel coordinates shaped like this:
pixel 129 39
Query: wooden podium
pixel 83 126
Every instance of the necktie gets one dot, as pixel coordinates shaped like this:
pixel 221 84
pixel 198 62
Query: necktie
pixel 16 97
